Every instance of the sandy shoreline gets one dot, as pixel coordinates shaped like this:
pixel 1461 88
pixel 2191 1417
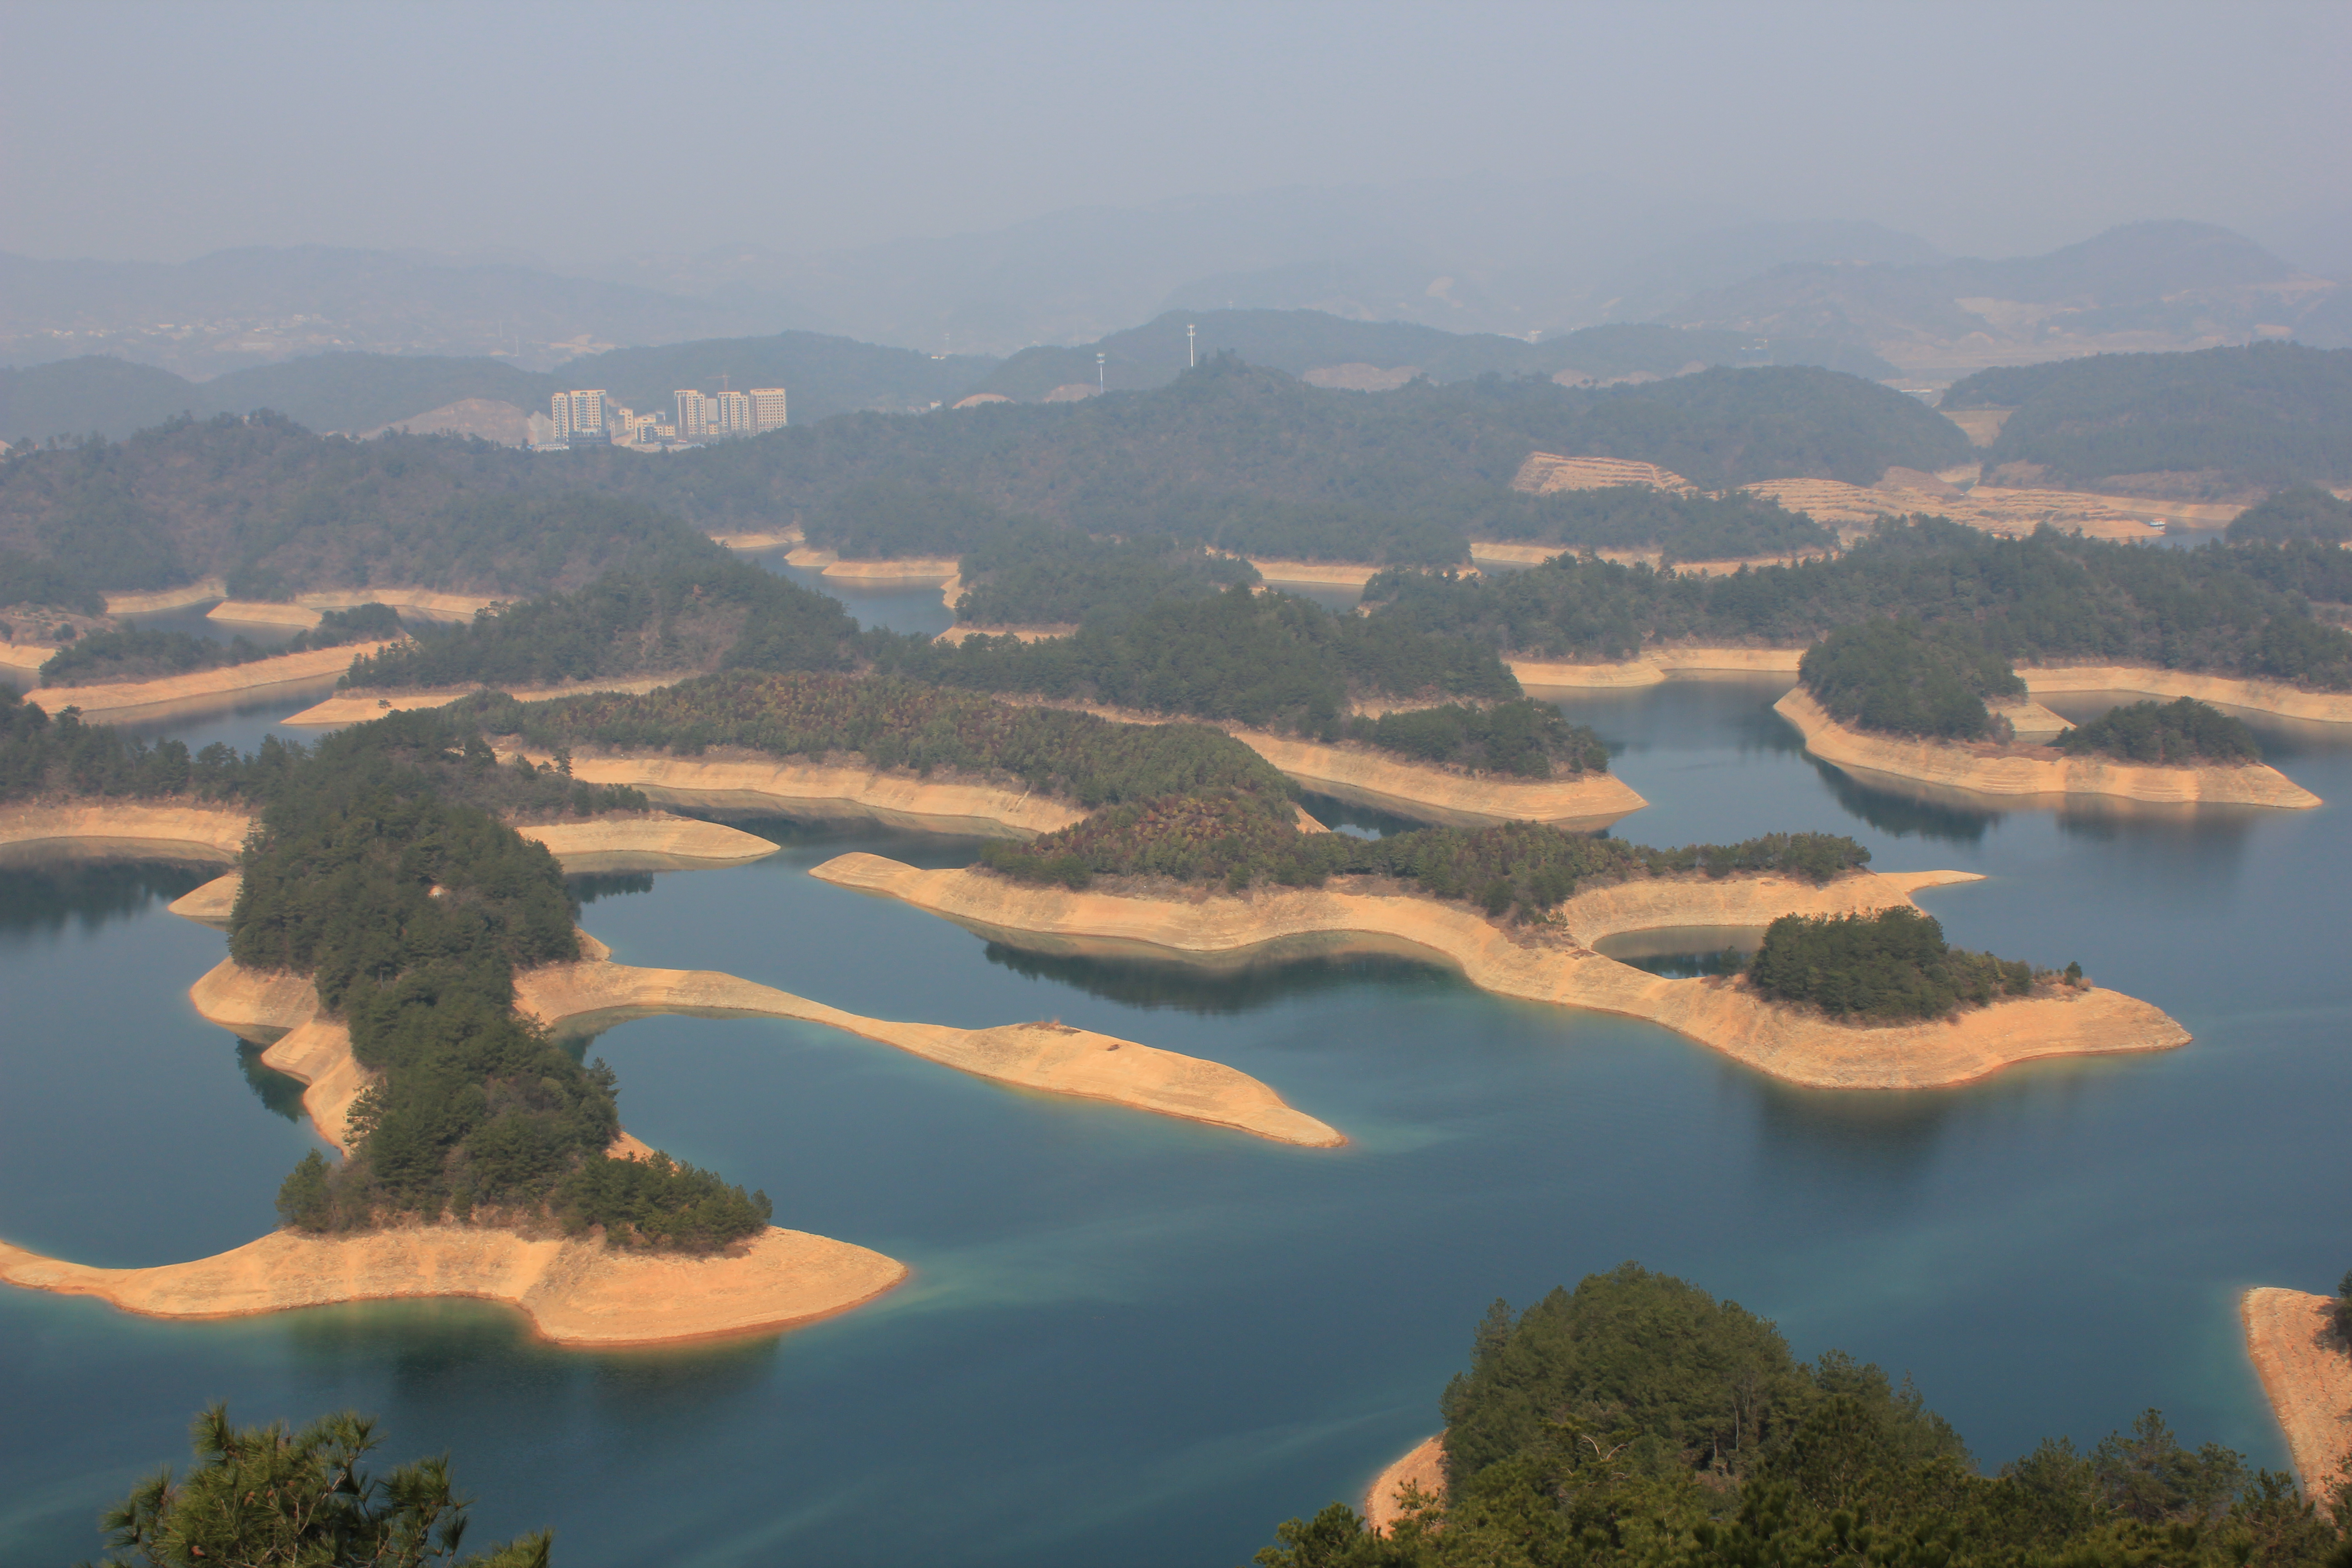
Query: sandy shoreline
pixel 1724 1016
pixel 1366 777
pixel 1656 665
pixel 2033 771
pixel 1422 1465
pixel 2306 1374
pixel 774 787
pixel 359 705
pixel 576 1293
pixel 204 689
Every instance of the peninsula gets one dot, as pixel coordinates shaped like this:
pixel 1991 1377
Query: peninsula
pixel 1991 768
pixel 203 690
pixel 2306 1369
pixel 1542 965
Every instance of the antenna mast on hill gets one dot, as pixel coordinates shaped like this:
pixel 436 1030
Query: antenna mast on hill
pixel 1191 361
pixel 1102 380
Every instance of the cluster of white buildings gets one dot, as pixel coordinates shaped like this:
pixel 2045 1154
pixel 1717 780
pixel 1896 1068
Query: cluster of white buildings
pixel 588 416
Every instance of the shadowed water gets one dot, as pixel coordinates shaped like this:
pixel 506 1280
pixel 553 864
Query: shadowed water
pixel 1134 1340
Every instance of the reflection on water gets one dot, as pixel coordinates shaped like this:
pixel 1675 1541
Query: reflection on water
pixel 43 897
pixel 898 609
pixel 587 887
pixel 1362 821
pixel 1191 988
pixel 1903 815
pixel 283 1094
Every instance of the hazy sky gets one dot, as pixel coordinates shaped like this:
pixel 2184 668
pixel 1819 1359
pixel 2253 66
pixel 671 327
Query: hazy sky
pixel 584 131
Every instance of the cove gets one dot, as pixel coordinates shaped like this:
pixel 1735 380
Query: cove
pixel 1132 1340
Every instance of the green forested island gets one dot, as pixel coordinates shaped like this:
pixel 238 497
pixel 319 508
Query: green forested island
pixel 1637 1422
pixel 2180 733
pixel 1888 967
pixel 1896 676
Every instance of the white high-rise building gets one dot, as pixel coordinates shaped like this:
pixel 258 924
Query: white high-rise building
pixel 734 417
pixel 767 409
pixel 692 415
pixel 578 412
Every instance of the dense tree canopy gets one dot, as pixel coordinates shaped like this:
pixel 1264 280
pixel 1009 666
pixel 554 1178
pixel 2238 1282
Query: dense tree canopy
pixel 2181 734
pixel 1895 677
pixel 1888 967
pixel 140 654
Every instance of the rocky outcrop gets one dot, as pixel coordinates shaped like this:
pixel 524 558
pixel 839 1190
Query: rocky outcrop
pixel 2008 770
pixel 575 1292
pixel 2306 1373
pixel 1554 966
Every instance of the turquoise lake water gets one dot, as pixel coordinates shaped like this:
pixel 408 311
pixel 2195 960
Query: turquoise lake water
pixel 1132 1340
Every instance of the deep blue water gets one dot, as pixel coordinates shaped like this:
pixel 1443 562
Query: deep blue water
pixel 1135 1341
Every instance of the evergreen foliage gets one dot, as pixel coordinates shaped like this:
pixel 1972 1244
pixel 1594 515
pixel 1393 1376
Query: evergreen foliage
pixel 1895 677
pixel 140 654
pixel 266 1496
pixel 2181 734
pixel 1638 517
pixel 1638 1423
pixel 2049 598
pixel 1041 575
pixel 1530 740
pixel 2299 511
pixel 1888 967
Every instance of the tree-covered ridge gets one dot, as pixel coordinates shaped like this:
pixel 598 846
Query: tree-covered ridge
pixel 1519 738
pixel 2299 511
pixel 2047 598
pixel 1895 677
pixel 892 723
pixel 697 609
pixel 2181 734
pixel 140 654
pixel 411 913
pixel 1637 1422
pixel 1041 575
pixel 1517 871
pixel 1889 967
pixel 1638 517
pixel 1265 659
pixel 2266 414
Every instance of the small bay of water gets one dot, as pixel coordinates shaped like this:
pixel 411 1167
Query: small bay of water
pixel 1132 1339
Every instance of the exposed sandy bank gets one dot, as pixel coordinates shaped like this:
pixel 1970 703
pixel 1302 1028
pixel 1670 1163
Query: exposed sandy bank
pixel 129 829
pixel 758 541
pixel 576 1293
pixel 357 706
pixel 801 789
pixel 1053 1057
pixel 1545 472
pixel 660 843
pixel 2227 691
pixel 211 904
pixel 915 572
pixel 2020 770
pixel 1485 552
pixel 307 610
pixel 1388 782
pixel 1317 573
pixel 1422 1465
pixel 2307 1374
pixel 1026 633
pixel 1723 1015
pixel 201 688
pixel 2010 512
pixel 1658 666
pixel 161 599
pixel 25 659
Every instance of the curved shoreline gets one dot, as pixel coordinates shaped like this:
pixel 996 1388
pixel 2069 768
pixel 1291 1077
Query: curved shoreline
pixel 576 1293
pixel 1724 1016
pixel 2306 1375
pixel 1366 777
pixel 308 609
pixel 1422 1465
pixel 227 685
pixel 826 791
pixel 156 601
pixel 2017 771
pixel 358 704
pixel 1656 665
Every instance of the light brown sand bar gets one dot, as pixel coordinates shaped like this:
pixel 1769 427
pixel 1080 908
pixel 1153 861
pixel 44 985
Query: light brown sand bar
pixel 576 1293
pixel 1317 573
pixel 1658 666
pixel 1725 1015
pixel 2306 1373
pixel 308 609
pixel 2010 771
pixel 356 707
pixel 201 690
pixel 127 829
pixel 180 598
pixel 823 790
pixel 25 659
pixel 1422 1465
pixel 1387 783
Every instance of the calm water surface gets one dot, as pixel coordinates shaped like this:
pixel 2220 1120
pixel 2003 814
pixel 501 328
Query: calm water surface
pixel 1134 1341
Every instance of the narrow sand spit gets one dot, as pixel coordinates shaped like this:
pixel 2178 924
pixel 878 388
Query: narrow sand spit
pixel 2307 1373
pixel 201 592
pixel 308 609
pixel 204 689
pixel 186 832
pixel 2023 770
pixel 359 706
pixel 1724 1014
pixel 1386 783
pixel 749 782
pixel 576 1293
pixel 1657 667
pixel 1422 1465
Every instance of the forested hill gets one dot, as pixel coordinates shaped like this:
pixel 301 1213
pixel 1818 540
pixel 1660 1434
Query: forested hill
pixel 1245 457
pixel 2218 424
